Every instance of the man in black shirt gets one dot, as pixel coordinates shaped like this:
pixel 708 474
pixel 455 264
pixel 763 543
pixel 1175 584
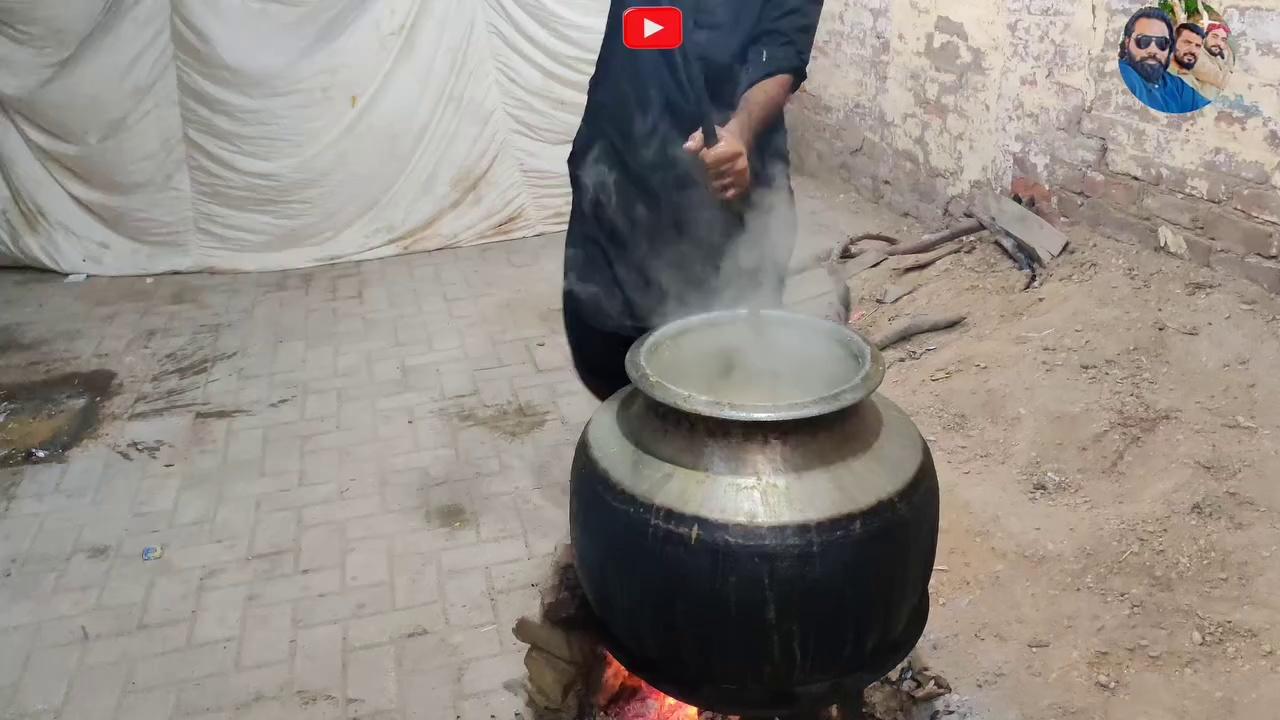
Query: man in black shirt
pixel 662 226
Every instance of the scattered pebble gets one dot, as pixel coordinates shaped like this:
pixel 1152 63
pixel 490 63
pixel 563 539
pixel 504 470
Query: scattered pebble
pixel 1196 638
pixel 1105 682
pixel 1241 422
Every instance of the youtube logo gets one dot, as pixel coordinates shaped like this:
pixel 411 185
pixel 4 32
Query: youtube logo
pixel 653 28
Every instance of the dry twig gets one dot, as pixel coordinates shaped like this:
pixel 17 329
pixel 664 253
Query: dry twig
pixel 917 326
pixel 923 261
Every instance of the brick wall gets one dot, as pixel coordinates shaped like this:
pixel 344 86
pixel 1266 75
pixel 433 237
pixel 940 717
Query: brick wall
pixel 917 102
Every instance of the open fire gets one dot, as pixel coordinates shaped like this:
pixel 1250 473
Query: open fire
pixel 624 696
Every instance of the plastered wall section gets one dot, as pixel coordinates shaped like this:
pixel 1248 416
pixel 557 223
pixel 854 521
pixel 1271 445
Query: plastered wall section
pixel 917 103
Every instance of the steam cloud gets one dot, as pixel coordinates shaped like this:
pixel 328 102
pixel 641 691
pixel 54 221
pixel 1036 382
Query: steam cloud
pixel 748 272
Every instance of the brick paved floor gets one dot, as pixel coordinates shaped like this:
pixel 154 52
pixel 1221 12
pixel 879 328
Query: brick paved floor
pixel 358 474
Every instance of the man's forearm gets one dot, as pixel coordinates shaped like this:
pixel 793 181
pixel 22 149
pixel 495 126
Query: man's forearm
pixel 760 107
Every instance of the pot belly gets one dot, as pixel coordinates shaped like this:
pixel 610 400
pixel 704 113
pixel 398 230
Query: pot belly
pixel 747 618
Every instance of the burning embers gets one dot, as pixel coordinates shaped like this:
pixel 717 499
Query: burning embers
pixel 594 686
pixel 624 696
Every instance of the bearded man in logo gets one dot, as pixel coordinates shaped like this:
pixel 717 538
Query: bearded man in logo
pixel 1145 53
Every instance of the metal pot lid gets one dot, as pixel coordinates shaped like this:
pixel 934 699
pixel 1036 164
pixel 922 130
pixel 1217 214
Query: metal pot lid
pixel 755 365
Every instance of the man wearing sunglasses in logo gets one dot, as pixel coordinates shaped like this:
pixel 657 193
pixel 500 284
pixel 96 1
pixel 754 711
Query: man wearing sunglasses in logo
pixel 1145 53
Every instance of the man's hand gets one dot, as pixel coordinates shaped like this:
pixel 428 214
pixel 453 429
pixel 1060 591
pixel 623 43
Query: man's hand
pixel 728 165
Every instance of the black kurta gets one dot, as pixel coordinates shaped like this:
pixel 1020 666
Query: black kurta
pixel 647 240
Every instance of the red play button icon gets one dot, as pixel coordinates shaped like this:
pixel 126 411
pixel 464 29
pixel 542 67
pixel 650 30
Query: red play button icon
pixel 653 28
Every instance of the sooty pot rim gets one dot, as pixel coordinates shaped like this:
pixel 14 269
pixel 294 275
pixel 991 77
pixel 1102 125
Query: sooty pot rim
pixel 851 367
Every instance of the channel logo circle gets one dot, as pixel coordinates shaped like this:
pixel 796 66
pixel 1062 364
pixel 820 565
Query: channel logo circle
pixel 653 28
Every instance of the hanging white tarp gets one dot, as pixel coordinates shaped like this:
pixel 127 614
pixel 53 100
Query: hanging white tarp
pixel 148 136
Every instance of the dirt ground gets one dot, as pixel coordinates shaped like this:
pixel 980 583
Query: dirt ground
pixel 1105 444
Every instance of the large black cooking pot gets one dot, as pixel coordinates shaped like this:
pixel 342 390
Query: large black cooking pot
pixel 753 525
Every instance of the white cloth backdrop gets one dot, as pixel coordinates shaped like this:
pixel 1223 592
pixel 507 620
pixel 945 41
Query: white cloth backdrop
pixel 148 136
